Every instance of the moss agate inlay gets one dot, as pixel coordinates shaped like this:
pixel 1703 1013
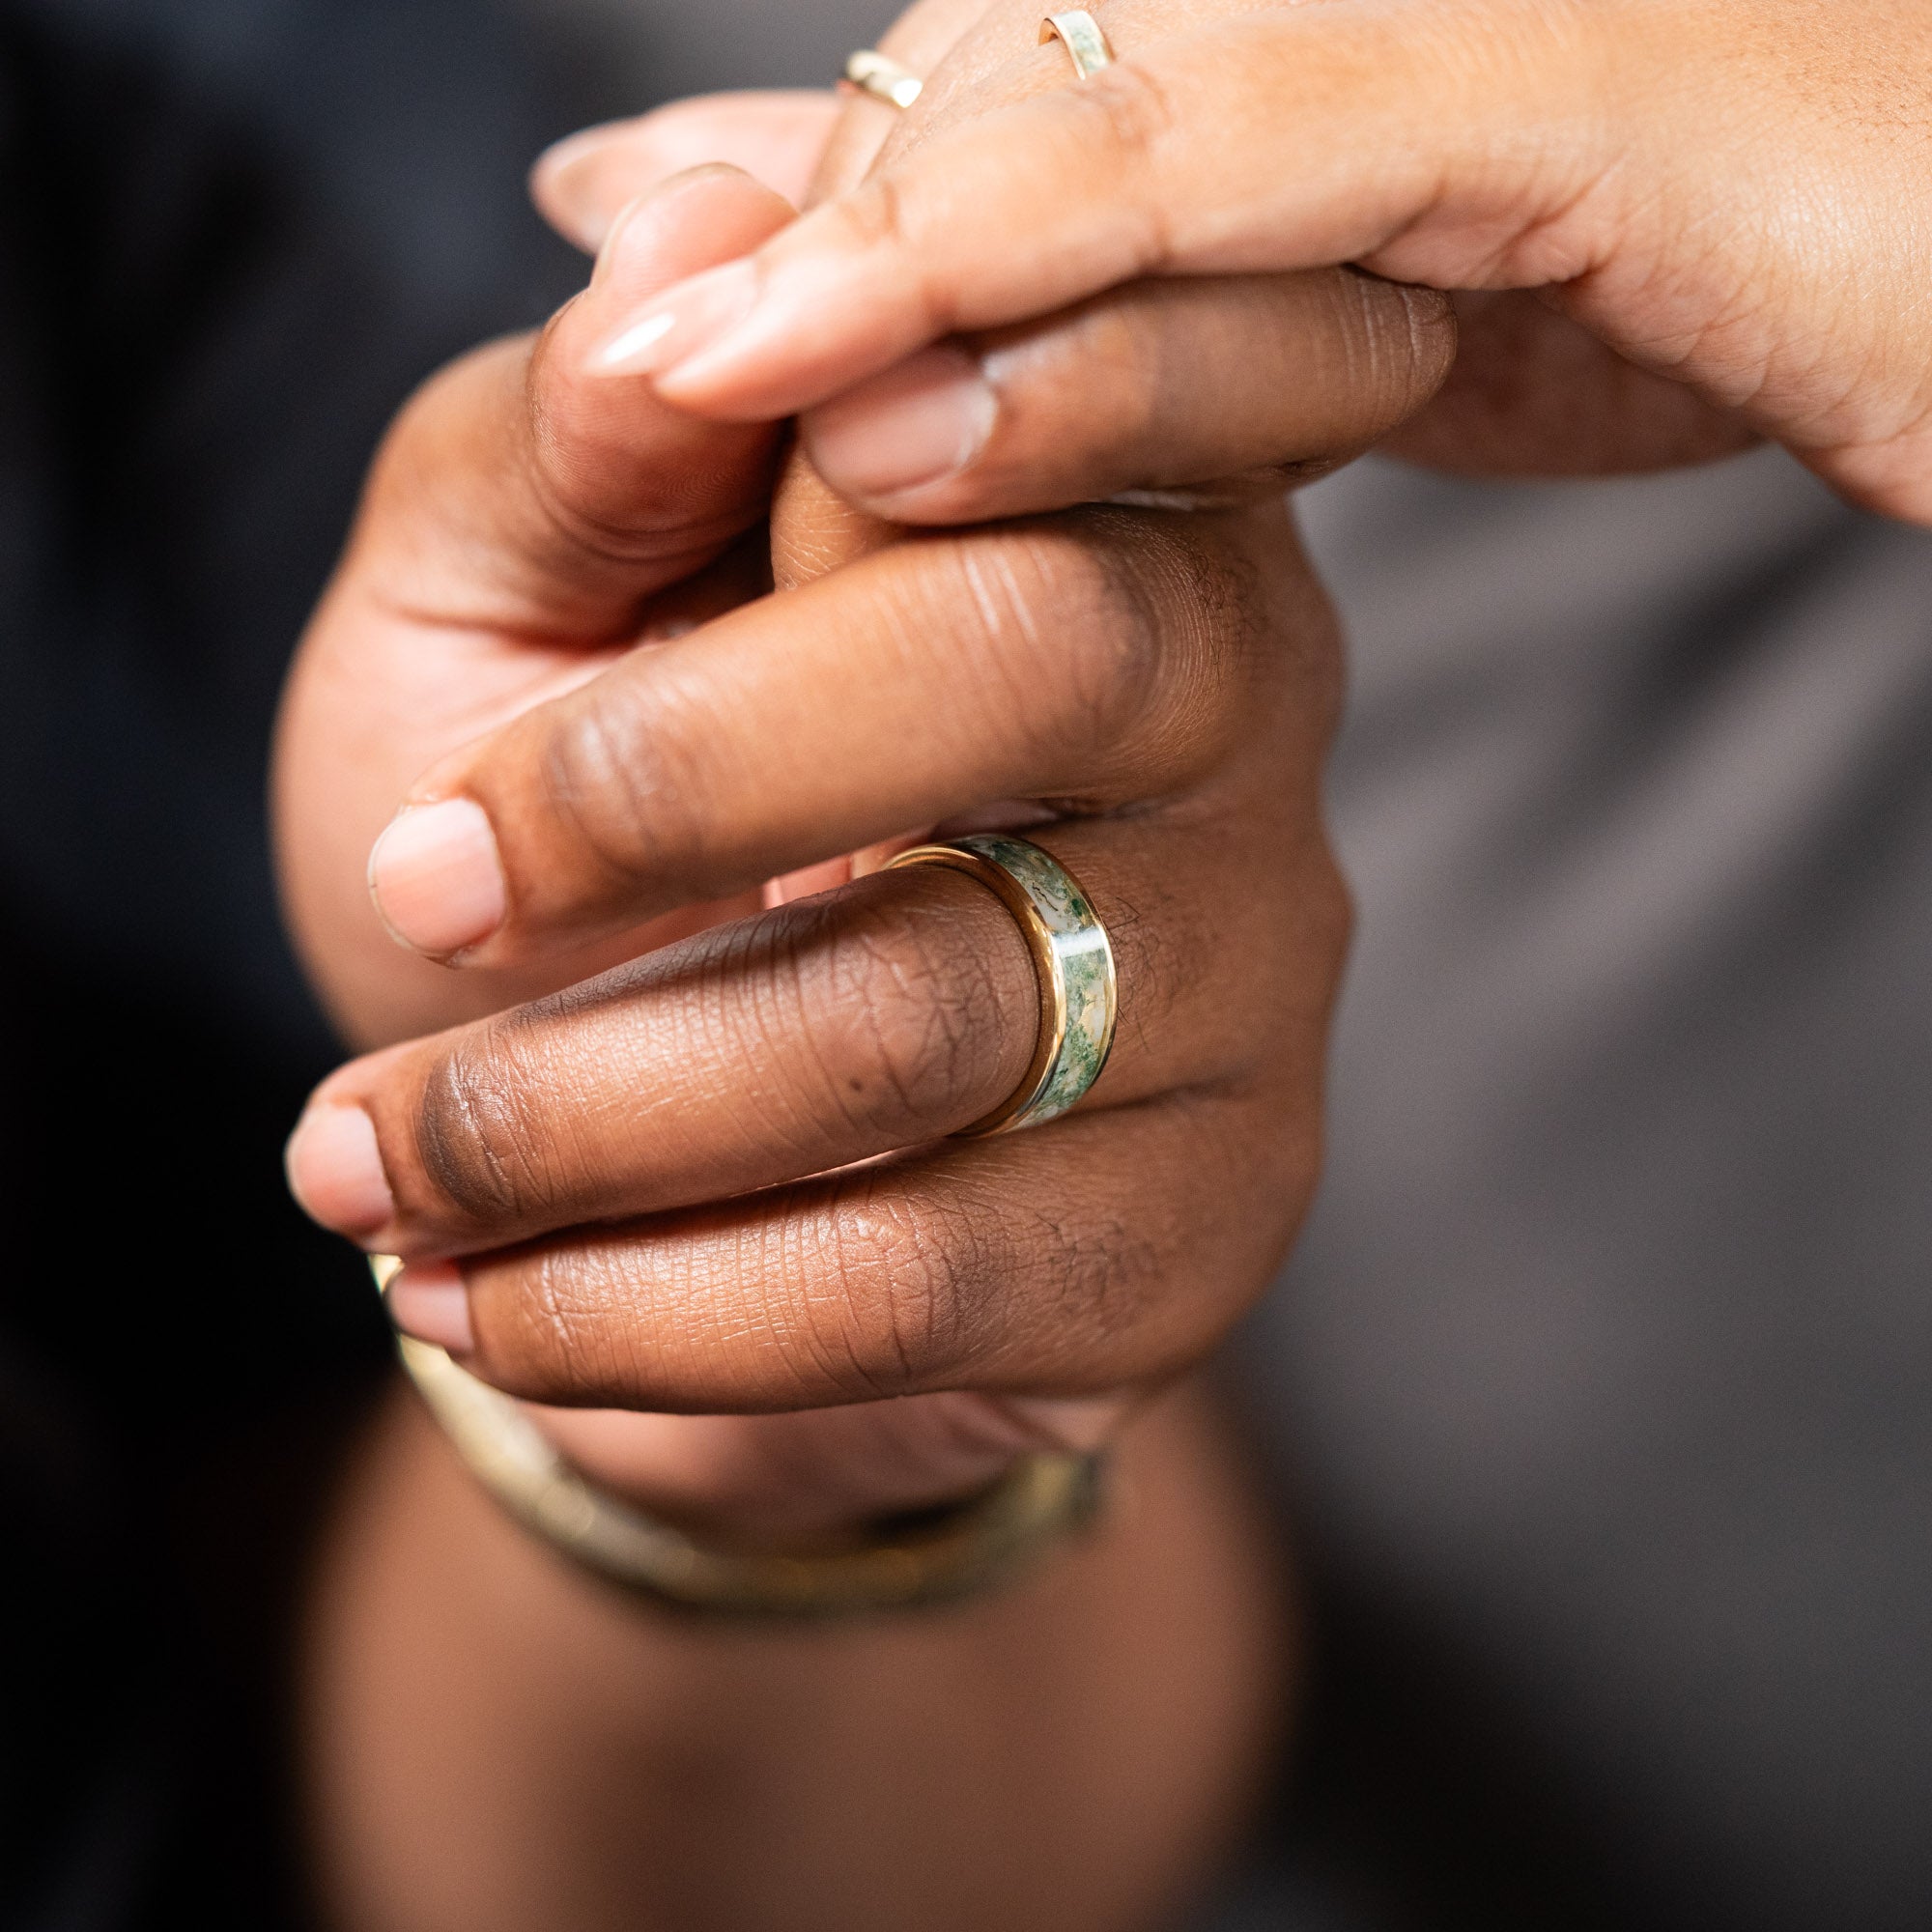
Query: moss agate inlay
pixel 1083 963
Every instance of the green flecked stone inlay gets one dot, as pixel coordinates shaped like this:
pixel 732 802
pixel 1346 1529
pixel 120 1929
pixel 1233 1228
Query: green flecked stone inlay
pixel 1086 965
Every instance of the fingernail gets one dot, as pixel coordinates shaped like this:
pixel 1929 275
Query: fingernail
pixel 335 1171
pixel 690 319
pixel 436 877
pixel 915 424
pixel 565 183
pixel 429 1301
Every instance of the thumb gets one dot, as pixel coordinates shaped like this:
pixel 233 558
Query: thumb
pixel 526 492
pixel 525 522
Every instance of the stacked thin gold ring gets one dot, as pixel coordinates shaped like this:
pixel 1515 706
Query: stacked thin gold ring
pixel 1079 32
pixel 885 79
pixel 871 73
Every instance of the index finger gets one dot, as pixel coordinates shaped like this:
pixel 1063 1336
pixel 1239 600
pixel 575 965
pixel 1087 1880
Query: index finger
pixel 1282 141
pixel 1113 656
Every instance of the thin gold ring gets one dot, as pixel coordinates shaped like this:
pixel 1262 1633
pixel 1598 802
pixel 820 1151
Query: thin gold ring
pixel 1079 32
pixel 1073 962
pixel 871 73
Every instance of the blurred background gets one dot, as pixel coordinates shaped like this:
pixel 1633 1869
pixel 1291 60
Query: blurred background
pixel 234 234
pixel 1597 1398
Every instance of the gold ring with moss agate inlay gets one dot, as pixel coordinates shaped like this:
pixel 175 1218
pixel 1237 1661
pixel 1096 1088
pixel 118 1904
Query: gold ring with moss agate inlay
pixel 1072 961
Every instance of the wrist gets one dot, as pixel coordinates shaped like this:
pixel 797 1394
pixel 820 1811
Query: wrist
pixel 812 1479
pixel 946 1555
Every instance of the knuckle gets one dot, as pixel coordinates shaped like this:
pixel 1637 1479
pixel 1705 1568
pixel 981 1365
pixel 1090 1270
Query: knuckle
pixel 910 1277
pixel 1199 619
pixel 1075 649
pixel 1175 1288
pixel 479 1132
pixel 915 1020
pixel 623 781
pixel 1088 1273
pixel 884 1015
pixel 873 214
pixel 1135 115
pixel 883 217
pixel 1122 647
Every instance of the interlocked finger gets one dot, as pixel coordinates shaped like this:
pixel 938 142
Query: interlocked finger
pixel 1111 657
pixel 1015 1265
pixel 895 1011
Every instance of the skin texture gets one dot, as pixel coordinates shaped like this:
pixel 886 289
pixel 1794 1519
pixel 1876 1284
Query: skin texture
pixel 554 612
pixel 1217 389
pixel 1718 203
pixel 492 1739
pixel 1162 684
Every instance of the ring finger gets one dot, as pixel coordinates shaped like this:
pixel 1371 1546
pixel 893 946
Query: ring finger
pixel 889 1013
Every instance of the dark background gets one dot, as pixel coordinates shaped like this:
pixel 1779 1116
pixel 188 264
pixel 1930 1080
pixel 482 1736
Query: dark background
pixel 233 237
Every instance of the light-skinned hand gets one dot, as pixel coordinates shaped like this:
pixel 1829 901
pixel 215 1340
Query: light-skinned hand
pixel 1671 227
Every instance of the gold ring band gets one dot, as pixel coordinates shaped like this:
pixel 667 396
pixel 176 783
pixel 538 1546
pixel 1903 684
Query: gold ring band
pixel 1079 994
pixel 1079 32
pixel 871 73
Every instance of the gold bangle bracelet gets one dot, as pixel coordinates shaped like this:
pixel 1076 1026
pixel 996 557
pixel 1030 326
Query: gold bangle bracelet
pixel 942 1557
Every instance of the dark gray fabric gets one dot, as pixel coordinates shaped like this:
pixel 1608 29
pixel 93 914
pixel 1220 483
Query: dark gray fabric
pixel 1602 1384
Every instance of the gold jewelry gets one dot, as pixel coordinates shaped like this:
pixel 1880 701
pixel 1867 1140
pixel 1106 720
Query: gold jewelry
pixel 871 73
pixel 953 1555
pixel 1079 32
pixel 1079 994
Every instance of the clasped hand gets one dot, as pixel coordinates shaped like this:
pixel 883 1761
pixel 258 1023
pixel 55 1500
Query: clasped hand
pixel 1671 226
pixel 712 1178
pixel 669 1160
